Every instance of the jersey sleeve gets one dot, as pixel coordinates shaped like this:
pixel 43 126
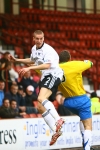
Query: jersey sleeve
pixel 31 56
pixel 84 65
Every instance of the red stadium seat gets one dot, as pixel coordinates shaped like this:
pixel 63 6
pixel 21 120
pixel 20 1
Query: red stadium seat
pixel 33 115
pixel 19 52
pixel 35 103
pixel 26 116
pixel 36 78
pixel 97 44
pixel 55 103
pixel 39 115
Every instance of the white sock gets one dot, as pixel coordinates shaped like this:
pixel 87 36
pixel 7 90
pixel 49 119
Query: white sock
pixel 50 107
pixel 49 120
pixel 87 139
pixel 82 131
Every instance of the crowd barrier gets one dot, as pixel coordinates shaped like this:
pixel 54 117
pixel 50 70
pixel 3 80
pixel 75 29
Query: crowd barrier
pixel 33 133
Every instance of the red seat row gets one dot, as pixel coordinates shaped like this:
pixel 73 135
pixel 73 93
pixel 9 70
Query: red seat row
pixel 32 116
pixel 71 20
pixel 89 36
pixel 78 28
pixel 59 13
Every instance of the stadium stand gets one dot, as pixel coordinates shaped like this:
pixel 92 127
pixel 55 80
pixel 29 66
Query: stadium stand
pixel 77 32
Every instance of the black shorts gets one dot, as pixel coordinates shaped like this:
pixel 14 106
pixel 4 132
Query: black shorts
pixel 50 82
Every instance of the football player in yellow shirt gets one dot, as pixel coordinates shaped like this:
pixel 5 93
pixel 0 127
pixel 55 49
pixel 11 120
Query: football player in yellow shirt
pixel 74 96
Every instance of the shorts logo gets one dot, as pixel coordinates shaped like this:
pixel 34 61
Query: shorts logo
pixel 48 79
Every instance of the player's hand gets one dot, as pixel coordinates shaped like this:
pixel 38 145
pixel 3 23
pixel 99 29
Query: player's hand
pixel 11 58
pixel 23 71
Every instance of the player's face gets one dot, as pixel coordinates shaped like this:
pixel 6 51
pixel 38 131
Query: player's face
pixel 38 39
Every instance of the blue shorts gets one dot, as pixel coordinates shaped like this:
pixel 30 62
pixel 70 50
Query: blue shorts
pixel 79 105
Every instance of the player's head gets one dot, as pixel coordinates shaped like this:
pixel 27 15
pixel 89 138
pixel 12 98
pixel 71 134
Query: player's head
pixel 38 38
pixel 64 56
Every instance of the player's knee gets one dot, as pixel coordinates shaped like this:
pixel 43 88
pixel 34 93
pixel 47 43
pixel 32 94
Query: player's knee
pixel 40 108
pixel 40 99
pixel 87 125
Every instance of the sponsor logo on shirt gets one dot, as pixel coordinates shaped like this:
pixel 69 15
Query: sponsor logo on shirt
pixel 47 61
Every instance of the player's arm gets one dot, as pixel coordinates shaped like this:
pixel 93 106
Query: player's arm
pixel 25 61
pixel 39 67
pixel 83 65
pixel 88 63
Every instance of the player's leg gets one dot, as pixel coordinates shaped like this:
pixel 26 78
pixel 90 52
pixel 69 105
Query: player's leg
pixel 86 117
pixel 44 94
pixel 49 107
pixel 81 106
pixel 47 117
pixel 87 133
pixel 82 131
pixel 50 122
pixel 47 87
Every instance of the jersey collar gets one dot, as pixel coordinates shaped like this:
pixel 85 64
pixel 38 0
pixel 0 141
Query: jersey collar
pixel 40 47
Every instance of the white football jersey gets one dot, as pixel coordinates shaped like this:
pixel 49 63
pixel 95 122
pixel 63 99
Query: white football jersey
pixel 46 54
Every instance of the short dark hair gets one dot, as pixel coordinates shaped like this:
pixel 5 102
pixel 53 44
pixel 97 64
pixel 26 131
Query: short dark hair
pixel 14 85
pixel 5 100
pixel 64 56
pixel 2 81
pixel 38 32
pixel 13 100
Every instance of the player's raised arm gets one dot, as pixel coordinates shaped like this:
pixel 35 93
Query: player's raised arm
pixel 25 61
pixel 33 67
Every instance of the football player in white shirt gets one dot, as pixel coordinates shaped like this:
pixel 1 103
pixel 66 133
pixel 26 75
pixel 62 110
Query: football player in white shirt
pixel 45 59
